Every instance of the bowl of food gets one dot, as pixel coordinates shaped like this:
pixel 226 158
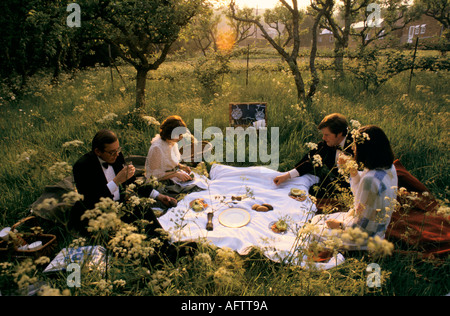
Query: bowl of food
pixel 279 227
pixel 198 205
pixel 298 194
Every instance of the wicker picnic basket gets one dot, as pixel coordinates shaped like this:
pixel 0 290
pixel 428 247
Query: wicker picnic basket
pixel 26 237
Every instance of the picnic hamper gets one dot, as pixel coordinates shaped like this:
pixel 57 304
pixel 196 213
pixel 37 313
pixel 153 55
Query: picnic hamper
pixel 23 237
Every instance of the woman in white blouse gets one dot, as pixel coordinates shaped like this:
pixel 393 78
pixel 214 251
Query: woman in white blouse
pixel 163 158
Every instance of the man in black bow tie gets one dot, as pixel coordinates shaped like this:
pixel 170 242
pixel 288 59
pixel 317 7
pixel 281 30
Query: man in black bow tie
pixel 335 140
pixel 103 173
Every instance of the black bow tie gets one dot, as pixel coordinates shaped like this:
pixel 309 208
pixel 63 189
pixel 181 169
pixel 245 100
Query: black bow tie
pixel 106 165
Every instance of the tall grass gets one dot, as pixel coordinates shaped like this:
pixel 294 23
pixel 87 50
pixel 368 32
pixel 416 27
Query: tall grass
pixel 44 118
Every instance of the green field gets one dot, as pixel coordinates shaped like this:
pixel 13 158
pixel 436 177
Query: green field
pixel 35 126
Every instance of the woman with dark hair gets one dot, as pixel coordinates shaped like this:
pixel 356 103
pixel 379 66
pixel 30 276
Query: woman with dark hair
pixel 373 188
pixel 373 148
pixel 163 158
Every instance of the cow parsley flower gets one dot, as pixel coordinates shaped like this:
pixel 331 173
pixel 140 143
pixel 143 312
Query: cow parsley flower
pixel 150 120
pixel 107 118
pixel 355 124
pixel 47 204
pixel 26 156
pixel 60 170
pixel 317 161
pixel 380 247
pixel 73 143
pixel 311 146
pixel 72 197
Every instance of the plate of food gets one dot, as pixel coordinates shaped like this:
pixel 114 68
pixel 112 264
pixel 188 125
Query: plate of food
pixel 297 194
pixel 198 205
pixel 279 227
pixel 234 217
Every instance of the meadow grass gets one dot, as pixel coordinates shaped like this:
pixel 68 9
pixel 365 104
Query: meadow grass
pixel 35 126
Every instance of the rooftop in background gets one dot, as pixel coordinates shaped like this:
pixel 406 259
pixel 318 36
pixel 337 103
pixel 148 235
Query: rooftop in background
pixel 268 4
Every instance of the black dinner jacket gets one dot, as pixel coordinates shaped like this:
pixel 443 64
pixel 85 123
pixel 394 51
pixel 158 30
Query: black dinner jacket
pixel 328 155
pixel 90 179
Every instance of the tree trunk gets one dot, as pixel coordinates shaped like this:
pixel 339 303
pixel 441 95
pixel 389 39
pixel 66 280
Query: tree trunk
pixel 141 79
pixel 298 79
pixel 312 60
pixel 57 65
pixel 339 58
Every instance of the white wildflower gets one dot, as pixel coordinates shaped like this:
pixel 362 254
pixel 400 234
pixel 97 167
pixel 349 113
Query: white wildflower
pixel 47 204
pixel 78 242
pixel 160 281
pixel 104 216
pixel 359 137
pixel 104 287
pixel 72 197
pixel 47 290
pixel 311 146
pixel 42 260
pixel 346 165
pixel 134 201
pixel 444 211
pixel 106 221
pixel 224 277
pixel 119 283
pixel 380 247
pixel 317 161
pixel 128 244
pixel 365 136
pixel 150 120
pixel 25 156
pixel 309 229
pixel 60 170
pixel 78 108
pixel 354 236
pixel 203 259
pixel 355 124
pixel 73 143
pixel 107 118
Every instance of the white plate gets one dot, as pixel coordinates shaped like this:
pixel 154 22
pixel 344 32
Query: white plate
pixel 234 217
pixel 4 233
pixel 34 246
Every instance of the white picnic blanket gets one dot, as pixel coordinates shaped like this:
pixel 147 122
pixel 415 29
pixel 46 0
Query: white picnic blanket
pixel 185 224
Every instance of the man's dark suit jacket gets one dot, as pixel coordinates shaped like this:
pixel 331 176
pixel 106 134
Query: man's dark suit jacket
pixel 328 155
pixel 90 178
pixel 90 181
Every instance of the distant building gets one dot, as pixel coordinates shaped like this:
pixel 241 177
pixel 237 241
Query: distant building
pixel 325 39
pixel 424 28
